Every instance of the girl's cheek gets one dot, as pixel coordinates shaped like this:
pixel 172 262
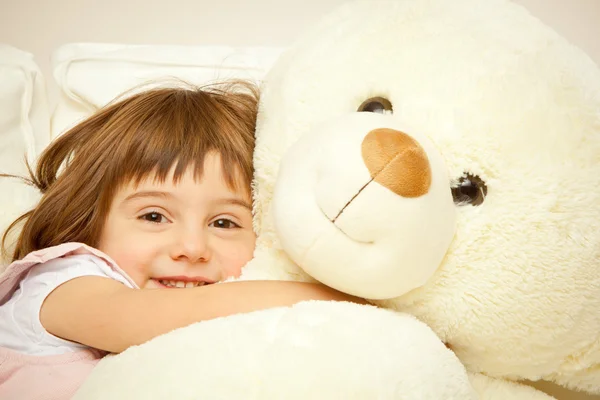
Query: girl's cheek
pixel 239 261
pixel 231 263
pixel 234 273
pixel 132 262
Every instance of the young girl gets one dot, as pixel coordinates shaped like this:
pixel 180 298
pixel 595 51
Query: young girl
pixel 152 192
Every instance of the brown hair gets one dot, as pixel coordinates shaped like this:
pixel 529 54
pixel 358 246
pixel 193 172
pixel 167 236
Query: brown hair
pixel 146 133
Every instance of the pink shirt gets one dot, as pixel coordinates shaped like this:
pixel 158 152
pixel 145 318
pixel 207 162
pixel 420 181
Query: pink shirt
pixel 50 377
pixel 44 378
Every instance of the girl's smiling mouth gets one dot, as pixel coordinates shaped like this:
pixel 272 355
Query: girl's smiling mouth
pixel 180 282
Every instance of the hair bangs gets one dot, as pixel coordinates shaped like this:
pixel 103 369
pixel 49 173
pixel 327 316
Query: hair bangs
pixel 175 132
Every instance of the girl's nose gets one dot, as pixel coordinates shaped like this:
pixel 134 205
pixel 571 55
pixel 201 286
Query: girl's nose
pixel 191 245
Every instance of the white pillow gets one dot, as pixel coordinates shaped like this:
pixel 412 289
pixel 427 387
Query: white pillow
pixel 89 75
pixel 24 130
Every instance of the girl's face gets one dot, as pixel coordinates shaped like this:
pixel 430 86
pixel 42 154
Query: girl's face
pixel 167 235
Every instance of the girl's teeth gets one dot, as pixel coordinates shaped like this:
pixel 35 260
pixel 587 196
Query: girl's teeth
pixel 181 284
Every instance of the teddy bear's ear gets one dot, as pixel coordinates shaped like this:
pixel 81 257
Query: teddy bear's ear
pixel 274 133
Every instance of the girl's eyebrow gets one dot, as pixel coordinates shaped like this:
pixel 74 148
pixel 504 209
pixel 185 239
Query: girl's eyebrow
pixel 166 195
pixel 234 201
pixel 145 194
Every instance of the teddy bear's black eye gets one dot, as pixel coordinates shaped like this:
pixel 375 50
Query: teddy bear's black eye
pixel 469 190
pixel 378 105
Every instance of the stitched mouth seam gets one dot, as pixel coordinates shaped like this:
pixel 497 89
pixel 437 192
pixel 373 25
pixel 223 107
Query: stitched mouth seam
pixel 402 153
pixel 351 200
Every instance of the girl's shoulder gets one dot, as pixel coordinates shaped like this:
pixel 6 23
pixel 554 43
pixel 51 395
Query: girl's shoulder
pixel 14 273
pixel 60 251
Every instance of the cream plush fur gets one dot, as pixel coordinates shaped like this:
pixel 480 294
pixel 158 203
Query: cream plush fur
pixel 512 285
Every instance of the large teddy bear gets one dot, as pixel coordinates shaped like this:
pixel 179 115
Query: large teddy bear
pixel 441 159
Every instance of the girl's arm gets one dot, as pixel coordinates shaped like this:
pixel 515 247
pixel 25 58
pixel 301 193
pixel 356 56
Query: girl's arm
pixel 104 314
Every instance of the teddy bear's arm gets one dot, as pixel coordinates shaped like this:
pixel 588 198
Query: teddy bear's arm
pixel 313 350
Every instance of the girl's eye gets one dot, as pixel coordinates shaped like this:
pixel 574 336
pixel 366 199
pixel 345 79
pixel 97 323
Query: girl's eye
pixel 225 224
pixel 154 217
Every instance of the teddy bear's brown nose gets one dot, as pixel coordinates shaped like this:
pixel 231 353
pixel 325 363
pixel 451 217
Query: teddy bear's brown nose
pixel 397 161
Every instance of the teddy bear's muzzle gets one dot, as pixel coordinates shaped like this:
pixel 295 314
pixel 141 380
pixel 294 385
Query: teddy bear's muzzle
pixel 363 203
